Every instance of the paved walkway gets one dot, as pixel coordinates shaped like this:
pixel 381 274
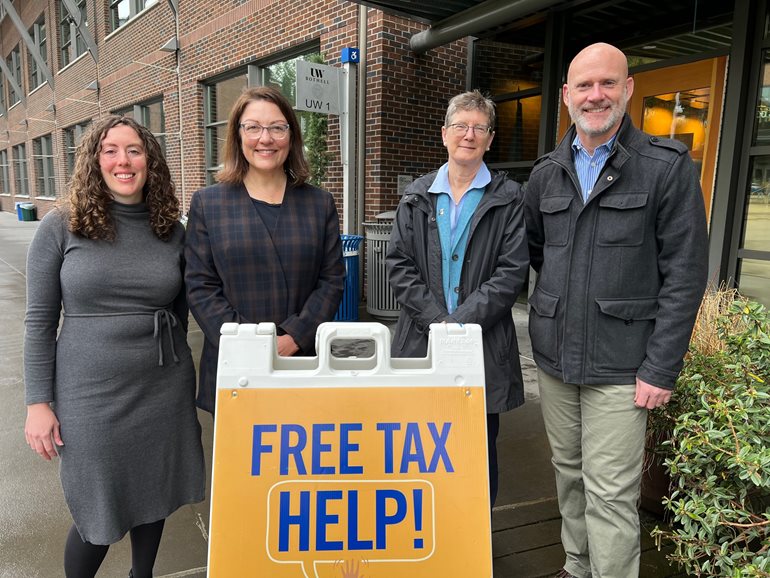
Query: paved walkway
pixel 34 519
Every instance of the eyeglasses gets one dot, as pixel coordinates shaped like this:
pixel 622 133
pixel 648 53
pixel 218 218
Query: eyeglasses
pixel 254 131
pixel 461 129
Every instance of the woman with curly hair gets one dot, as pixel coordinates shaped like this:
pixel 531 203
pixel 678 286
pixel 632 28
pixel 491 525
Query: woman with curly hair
pixel 113 395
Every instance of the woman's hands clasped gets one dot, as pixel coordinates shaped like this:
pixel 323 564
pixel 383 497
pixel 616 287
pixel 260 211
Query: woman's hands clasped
pixel 42 430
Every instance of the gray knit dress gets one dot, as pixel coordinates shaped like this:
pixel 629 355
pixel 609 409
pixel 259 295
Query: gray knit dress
pixel 120 374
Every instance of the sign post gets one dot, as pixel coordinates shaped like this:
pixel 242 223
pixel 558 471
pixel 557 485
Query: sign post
pixel 330 90
pixel 334 467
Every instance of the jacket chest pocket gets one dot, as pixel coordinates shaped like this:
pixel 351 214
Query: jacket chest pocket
pixel 556 219
pixel 622 219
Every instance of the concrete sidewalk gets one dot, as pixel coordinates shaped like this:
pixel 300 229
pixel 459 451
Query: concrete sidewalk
pixel 34 519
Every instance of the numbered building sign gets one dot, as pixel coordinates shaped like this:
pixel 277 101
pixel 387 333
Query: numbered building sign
pixel 317 88
pixel 350 467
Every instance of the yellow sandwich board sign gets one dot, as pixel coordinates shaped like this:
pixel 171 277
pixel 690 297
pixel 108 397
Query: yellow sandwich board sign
pixel 328 467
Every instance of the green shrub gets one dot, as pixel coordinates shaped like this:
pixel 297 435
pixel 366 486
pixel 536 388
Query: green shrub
pixel 718 449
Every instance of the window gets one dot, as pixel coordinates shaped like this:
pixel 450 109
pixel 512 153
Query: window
pixel 511 75
pixel 121 11
pixel 5 183
pixel 2 93
pixel 754 249
pixel 21 180
pixel 72 138
pixel 220 96
pixel 42 149
pixel 38 35
pixel 72 43
pixel 14 65
pixel 150 115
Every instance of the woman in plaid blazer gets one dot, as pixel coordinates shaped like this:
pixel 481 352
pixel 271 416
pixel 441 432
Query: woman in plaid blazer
pixel 262 244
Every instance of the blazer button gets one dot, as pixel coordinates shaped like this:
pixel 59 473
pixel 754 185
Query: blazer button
pixel 433 219
pixel 455 257
pixel 609 177
pixel 457 289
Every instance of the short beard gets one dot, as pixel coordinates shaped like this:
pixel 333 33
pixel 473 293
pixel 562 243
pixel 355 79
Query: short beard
pixel 616 114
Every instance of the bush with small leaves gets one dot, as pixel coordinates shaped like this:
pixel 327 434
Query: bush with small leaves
pixel 717 450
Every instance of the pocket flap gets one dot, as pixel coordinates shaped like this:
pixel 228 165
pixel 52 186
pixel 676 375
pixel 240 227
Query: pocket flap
pixel 625 201
pixel 543 303
pixel 645 308
pixel 554 204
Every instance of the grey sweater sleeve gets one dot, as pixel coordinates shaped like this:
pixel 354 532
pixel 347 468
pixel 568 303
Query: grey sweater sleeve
pixel 44 303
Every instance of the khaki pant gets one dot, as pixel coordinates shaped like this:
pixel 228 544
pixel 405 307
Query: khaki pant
pixel 597 440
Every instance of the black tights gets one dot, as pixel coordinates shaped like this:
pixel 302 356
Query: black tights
pixel 493 428
pixel 82 559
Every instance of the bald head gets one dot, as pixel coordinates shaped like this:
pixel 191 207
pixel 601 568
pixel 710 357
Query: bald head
pixel 599 54
pixel 596 93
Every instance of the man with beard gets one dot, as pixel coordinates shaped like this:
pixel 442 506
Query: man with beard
pixel 617 235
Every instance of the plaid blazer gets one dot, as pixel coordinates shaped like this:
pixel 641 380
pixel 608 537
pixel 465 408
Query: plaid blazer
pixel 237 272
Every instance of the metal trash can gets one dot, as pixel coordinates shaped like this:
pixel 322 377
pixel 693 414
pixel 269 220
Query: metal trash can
pixel 380 301
pixel 28 212
pixel 348 309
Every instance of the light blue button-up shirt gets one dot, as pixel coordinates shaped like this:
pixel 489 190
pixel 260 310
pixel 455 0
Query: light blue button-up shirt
pixel 454 225
pixel 589 167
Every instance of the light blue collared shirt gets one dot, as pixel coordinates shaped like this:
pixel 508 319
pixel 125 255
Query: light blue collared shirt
pixel 589 167
pixel 454 225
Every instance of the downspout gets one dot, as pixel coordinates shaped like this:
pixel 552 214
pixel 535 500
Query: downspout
pixel 175 9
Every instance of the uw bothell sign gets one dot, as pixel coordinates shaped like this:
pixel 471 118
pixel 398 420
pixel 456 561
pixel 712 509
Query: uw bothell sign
pixel 317 88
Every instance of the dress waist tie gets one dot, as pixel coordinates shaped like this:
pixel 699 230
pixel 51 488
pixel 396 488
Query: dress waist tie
pixel 164 316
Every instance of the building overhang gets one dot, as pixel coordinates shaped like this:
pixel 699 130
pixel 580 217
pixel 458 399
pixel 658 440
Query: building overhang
pixel 454 19
pixel 625 23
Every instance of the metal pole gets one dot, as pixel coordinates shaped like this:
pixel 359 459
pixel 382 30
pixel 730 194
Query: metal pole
pixel 347 147
pixel 363 15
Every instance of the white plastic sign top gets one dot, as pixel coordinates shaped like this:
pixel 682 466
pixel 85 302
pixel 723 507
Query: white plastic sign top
pixel 369 466
pixel 248 358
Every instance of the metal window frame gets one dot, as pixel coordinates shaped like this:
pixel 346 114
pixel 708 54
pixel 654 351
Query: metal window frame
pixel 736 152
pixel 2 93
pixel 251 74
pixel 134 8
pixel 80 38
pixel 42 153
pixel 140 112
pixel 37 57
pixel 5 181
pixel 255 76
pixel 73 134
pixel 38 71
pixel 20 169
pixel 13 65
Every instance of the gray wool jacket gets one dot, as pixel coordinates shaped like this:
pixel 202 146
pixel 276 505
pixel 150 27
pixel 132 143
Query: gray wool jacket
pixel 493 274
pixel 621 277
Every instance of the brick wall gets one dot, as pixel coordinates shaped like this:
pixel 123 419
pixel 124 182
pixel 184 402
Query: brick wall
pixel 405 99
